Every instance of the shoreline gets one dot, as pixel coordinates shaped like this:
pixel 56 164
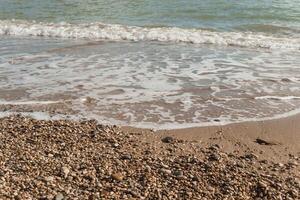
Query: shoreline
pixel 60 159
pixel 241 136
pixel 57 110
pixel 236 136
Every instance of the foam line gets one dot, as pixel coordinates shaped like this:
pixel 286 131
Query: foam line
pixel 28 102
pixel 114 32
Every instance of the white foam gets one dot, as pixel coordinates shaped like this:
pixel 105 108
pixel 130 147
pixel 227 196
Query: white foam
pixel 28 102
pixel 203 86
pixel 148 125
pixel 96 31
pixel 40 115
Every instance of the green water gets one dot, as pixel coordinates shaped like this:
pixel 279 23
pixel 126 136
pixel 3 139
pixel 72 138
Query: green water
pixel 271 16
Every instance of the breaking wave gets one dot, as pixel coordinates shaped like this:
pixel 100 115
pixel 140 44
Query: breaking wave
pixel 114 32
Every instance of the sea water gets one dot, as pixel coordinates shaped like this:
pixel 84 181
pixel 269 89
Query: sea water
pixel 155 64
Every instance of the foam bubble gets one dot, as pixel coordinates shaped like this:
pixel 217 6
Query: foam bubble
pixel 96 31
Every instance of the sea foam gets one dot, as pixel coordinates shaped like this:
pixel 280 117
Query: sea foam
pixel 114 32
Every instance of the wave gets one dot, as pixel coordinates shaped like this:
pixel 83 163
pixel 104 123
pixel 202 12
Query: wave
pixel 114 32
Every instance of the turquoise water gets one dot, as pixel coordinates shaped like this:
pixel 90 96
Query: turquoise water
pixel 275 16
pixel 148 63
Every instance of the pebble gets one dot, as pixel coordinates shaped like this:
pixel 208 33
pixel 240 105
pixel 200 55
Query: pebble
pixel 293 163
pixel 117 176
pixel 214 147
pixel 168 139
pixel 59 196
pixel 251 156
pixel 215 157
pixel 96 170
pixel 134 194
pixel 126 157
pixel 177 173
pixel 181 177
pixel 164 165
pixel 116 145
pixel 280 165
pixel 65 171
pixel 265 142
pixel 49 179
pixel 294 193
pixel 166 171
pixel 148 168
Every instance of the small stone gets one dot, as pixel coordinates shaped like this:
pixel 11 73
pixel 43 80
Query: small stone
pixel 59 196
pixel 148 168
pixel 177 173
pixel 285 80
pixel 49 179
pixel 65 171
pixel 251 156
pixel 262 184
pixel 164 165
pixel 264 161
pixel 168 139
pixel 126 157
pixel 293 163
pixel 166 171
pixel 115 145
pixel 117 176
pixel 214 147
pixel 294 193
pixel 181 177
pixel 89 100
pixel 134 194
pixel 265 142
pixel 214 157
pixel 195 178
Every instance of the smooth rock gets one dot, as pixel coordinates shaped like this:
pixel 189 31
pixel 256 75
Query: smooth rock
pixel 49 179
pixel 214 157
pixel 251 156
pixel 178 173
pixel 126 157
pixel 166 171
pixel 117 176
pixel 59 196
pixel 65 171
pixel 167 139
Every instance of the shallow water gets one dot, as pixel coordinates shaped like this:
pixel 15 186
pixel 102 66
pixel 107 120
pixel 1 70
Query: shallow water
pixel 148 84
pixel 157 64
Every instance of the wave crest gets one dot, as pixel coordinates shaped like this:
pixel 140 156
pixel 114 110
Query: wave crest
pixel 133 33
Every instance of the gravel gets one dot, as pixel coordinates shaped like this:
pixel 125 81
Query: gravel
pixel 85 160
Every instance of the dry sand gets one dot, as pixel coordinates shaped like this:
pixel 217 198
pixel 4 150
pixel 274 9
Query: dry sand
pixel 283 135
pixel 85 160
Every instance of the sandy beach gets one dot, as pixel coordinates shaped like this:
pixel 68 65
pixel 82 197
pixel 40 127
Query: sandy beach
pixel 85 160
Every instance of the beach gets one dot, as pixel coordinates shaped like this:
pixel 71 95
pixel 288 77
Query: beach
pixel 63 159
pixel 149 99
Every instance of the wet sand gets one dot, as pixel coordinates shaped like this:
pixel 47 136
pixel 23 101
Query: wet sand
pixel 85 160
